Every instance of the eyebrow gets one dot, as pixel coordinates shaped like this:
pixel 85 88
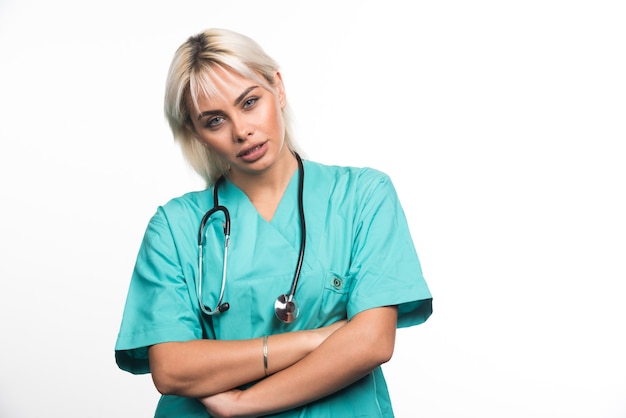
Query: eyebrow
pixel 236 102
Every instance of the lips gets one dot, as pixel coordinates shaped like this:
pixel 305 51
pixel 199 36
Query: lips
pixel 254 153
pixel 249 151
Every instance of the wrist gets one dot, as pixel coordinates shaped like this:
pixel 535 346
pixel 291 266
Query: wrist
pixel 265 355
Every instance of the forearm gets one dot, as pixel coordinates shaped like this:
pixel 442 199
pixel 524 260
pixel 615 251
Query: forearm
pixel 204 367
pixel 346 356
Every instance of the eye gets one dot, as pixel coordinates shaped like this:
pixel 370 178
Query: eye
pixel 214 122
pixel 250 102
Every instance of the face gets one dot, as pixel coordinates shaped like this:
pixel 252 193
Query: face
pixel 243 124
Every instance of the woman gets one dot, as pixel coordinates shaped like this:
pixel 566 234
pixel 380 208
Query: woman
pixel 202 313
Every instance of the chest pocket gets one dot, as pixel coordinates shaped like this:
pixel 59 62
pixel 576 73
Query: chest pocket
pixel 335 294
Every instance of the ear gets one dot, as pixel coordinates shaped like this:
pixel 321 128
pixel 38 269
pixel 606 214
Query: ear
pixel 280 89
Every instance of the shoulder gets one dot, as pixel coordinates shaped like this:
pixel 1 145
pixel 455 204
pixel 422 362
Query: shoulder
pixel 183 208
pixel 196 199
pixel 347 178
pixel 362 174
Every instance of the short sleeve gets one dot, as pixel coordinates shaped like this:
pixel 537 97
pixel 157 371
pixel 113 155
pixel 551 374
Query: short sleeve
pixel 385 266
pixel 158 307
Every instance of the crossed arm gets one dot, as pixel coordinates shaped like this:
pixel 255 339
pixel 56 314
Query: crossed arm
pixel 317 362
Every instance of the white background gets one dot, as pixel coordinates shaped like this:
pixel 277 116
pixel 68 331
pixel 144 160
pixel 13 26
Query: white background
pixel 501 123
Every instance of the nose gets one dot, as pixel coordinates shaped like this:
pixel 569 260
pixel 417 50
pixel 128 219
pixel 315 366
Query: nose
pixel 242 130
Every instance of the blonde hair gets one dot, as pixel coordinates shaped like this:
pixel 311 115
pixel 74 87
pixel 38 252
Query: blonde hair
pixel 189 76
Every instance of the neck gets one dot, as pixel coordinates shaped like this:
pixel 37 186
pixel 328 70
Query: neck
pixel 274 178
pixel 265 190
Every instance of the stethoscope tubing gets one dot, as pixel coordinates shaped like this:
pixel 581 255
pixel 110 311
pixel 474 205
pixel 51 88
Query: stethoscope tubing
pixel 222 307
pixel 217 208
pixel 296 275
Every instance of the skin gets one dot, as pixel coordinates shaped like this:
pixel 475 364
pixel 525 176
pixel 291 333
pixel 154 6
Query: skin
pixel 244 126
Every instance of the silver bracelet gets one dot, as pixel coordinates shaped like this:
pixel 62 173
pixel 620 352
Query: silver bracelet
pixel 265 355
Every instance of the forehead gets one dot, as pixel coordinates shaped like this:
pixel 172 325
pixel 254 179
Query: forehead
pixel 218 84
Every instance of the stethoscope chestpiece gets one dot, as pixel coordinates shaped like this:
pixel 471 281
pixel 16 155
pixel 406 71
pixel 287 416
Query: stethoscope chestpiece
pixel 286 308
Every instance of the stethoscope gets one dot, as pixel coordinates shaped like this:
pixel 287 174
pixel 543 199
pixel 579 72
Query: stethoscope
pixel 285 307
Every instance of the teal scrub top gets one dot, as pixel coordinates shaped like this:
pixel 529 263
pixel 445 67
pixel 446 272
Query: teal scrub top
pixel 359 255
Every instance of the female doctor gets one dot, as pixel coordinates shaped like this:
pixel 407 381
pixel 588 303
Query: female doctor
pixel 277 290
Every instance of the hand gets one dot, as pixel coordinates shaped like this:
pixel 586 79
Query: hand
pixel 222 405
